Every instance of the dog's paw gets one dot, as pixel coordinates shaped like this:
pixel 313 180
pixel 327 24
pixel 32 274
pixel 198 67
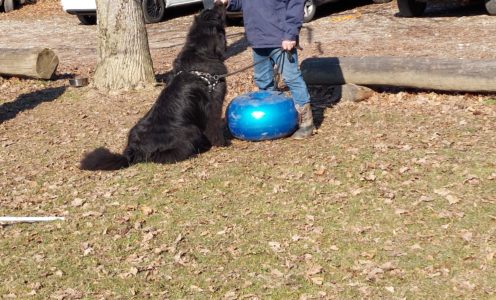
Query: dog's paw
pixel 220 141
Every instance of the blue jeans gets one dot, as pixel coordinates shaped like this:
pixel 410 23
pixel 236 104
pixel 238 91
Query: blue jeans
pixel 287 66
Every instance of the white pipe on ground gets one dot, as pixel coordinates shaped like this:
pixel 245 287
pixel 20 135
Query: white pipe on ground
pixel 29 219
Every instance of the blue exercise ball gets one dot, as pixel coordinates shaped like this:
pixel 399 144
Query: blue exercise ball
pixel 262 115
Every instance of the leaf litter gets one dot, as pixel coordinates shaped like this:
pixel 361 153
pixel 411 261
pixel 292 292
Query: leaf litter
pixel 394 197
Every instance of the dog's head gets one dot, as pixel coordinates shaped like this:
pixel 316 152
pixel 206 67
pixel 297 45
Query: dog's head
pixel 208 33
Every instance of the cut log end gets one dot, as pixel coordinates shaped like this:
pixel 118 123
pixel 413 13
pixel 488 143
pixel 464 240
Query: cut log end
pixel 46 64
pixel 38 63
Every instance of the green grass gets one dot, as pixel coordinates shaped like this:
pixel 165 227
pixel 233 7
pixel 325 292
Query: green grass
pixel 258 219
pixel 490 101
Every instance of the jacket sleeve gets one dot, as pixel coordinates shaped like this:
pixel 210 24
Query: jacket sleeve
pixel 235 5
pixel 294 19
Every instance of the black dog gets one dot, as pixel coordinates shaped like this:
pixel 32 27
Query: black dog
pixel 186 119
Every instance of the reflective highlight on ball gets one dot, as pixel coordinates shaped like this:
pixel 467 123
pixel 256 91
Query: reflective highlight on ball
pixel 262 115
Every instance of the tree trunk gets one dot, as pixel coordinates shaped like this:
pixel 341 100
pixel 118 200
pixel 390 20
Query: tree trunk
pixel 33 62
pixel 124 60
pixel 416 72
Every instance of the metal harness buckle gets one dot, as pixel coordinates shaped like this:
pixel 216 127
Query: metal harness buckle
pixel 211 80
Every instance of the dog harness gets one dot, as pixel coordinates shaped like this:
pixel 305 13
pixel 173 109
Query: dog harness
pixel 211 80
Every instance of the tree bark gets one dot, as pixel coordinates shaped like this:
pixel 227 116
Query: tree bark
pixel 416 72
pixel 33 62
pixel 124 60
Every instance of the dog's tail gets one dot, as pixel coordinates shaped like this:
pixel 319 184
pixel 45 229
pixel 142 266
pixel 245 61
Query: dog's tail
pixel 104 160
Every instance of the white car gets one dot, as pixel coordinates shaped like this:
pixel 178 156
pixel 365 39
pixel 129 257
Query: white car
pixel 153 10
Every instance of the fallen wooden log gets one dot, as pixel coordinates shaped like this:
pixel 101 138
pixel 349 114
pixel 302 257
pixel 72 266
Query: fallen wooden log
pixel 415 72
pixel 39 63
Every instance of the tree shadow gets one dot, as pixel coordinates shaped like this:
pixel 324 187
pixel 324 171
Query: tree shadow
pixel 333 8
pixel 28 101
pixel 237 47
pixel 321 98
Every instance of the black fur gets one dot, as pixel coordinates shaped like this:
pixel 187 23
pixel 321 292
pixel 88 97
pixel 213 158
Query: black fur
pixel 186 119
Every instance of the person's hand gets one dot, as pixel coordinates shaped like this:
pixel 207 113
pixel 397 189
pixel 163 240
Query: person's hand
pixel 288 45
pixel 224 2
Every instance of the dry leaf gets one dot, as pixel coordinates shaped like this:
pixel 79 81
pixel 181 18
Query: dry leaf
pixel 388 266
pixel 467 236
pixel 148 237
pixel 77 202
pixel 195 288
pixel 87 249
pixel 320 171
pixel 356 192
pixel 389 195
pixel 230 295
pixel 370 177
pixel 442 192
pixel 277 273
pixel 425 199
pixel 490 255
pixel 133 271
pixel 416 247
pixel 178 258
pixel 275 246
pixel 317 280
pixel 295 238
pixel 452 199
pixel 147 210
pixel 314 270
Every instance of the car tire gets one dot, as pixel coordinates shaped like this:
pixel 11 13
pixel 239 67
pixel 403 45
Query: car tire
pixel 491 7
pixel 87 20
pixel 8 5
pixel 153 10
pixel 309 10
pixel 381 1
pixel 411 8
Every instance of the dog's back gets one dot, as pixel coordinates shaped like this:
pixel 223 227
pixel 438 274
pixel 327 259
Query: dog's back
pixel 186 119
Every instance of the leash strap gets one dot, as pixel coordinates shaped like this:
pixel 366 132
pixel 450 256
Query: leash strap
pixel 243 69
pixel 213 80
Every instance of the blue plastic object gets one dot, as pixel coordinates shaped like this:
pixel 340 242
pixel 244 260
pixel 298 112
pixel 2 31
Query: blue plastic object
pixel 261 115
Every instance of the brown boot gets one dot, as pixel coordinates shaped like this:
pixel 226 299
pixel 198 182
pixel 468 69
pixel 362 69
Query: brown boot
pixel 305 122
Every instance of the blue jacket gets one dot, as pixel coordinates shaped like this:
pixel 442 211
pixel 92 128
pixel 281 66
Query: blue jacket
pixel 269 22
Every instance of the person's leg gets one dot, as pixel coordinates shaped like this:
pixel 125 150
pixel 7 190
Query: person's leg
pixel 288 67
pixel 263 69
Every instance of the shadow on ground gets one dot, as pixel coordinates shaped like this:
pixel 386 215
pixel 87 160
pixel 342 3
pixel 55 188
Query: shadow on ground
pixel 321 98
pixel 452 9
pixel 28 101
pixel 238 46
